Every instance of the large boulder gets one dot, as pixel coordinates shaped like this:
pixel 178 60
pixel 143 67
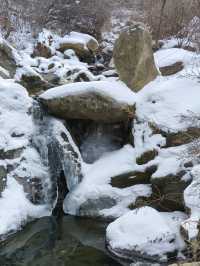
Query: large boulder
pixel 133 57
pixel 98 101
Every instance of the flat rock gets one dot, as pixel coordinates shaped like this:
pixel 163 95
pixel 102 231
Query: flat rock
pixel 98 101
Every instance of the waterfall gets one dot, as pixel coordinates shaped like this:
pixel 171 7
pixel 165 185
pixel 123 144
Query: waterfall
pixel 58 152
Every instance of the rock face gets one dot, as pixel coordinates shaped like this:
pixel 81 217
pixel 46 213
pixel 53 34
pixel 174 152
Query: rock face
pixel 90 101
pixel 7 60
pixel 133 57
pixel 172 69
pixel 169 192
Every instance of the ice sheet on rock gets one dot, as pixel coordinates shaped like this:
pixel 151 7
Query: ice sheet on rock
pixel 16 208
pixel 147 231
pixel 164 101
pixel 116 90
pixel 192 201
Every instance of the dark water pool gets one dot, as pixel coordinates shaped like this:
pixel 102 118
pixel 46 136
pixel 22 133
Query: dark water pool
pixel 68 241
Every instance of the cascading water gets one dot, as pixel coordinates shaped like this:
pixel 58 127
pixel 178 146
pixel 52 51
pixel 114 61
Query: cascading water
pixel 59 155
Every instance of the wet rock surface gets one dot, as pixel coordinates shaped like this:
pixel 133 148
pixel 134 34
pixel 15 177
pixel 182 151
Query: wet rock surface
pixel 69 241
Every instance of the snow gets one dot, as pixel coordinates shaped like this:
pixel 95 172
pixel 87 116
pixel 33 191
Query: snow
pixel 144 139
pixel 115 90
pixel 16 209
pixel 147 231
pixel 15 133
pixel 53 41
pixel 124 158
pixel 77 37
pixel 167 57
pixel 164 101
pixel 14 108
pixel 96 184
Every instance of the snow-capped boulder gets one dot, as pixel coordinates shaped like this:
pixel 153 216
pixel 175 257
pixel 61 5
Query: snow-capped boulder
pixel 84 45
pixel 133 57
pixel 145 233
pixel 32 80
pixel 98 101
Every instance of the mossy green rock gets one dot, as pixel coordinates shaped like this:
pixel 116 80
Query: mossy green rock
pixel 133 57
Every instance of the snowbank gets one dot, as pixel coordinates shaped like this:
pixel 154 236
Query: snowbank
pixel 164 101
pixel 167 57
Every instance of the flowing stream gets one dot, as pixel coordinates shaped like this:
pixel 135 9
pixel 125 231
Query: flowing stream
pixel 67 241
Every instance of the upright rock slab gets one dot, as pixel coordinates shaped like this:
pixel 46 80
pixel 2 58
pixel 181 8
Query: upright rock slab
pixel 7 59
pixel 133 57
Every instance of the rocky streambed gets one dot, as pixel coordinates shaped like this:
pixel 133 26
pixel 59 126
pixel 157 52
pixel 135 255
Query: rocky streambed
pixel 75 140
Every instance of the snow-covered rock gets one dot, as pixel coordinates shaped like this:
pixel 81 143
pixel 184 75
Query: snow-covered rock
pixel 94 196
pixel 48 43
pixel 98 101
pixel 21 162
pixel 146 233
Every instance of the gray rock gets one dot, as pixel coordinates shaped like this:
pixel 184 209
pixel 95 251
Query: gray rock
pixel 7 60
pixel 88 105
pixel 133 57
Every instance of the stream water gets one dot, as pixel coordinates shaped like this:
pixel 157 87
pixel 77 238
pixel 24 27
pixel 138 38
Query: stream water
pixel 48 241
